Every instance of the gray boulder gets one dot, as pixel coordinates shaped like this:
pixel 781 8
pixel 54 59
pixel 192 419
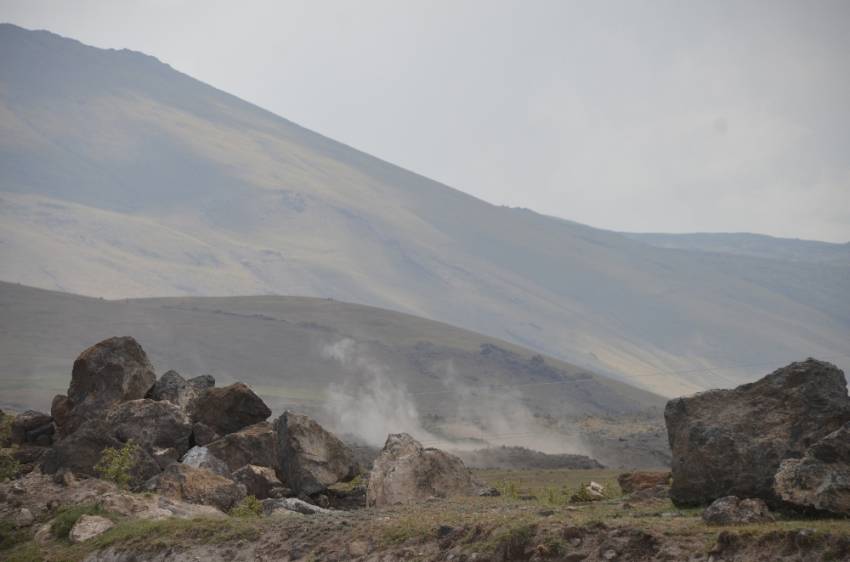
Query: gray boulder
pixel 821 479
pixel 171 387
pixel 29 426
pixel 113 371
pixel 293 505
pixel 733 511
pixel 732 442
pixel 311 458
pixel 161 428
pixel 229 408
pixel 255 444
pixel 200 457
pixel 202 382
pixel 407 472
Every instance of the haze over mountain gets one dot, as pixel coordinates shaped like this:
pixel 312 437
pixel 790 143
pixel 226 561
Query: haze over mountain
pixel 121 177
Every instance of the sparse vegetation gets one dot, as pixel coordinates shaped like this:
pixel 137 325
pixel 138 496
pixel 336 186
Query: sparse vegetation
pixel 68 516
pixel 248 507
pixel 9 466
pixel 115 464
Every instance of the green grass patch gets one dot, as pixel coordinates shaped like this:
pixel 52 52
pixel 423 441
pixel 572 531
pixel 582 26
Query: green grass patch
pixel 67 517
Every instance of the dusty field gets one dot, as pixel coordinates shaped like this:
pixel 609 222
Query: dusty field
pixel 532 521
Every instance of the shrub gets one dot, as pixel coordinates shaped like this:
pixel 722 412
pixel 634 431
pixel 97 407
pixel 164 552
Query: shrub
pixel 9 466
pixel 115 464
pixel 248 507
pixel 5 427
pixel 67 517
pixel 508 489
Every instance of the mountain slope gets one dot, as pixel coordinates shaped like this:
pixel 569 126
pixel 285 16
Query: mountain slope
pixel 120 177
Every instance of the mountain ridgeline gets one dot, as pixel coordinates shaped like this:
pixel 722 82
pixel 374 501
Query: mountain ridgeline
pixel 120 177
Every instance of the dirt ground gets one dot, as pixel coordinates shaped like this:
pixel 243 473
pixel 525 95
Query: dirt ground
pixel 532 520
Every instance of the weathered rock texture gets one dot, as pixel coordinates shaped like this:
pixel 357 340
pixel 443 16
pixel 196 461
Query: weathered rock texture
pixel 161 428
pixel 311 458
pixel 88 527
pixel 731 442
pixel 200 457
pixel 32 427
pixel 259 481
pixel 821 479
pixel 406 472
pixel 195 485
pixel 112 371
pixel 229 408
pixel 171 387
pixel 734 511
pixel 255 444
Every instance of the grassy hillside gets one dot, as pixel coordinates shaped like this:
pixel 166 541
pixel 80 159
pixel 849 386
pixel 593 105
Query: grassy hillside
pixel 121 177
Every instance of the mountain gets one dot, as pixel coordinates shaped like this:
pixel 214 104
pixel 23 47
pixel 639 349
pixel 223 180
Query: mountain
pixel 121 177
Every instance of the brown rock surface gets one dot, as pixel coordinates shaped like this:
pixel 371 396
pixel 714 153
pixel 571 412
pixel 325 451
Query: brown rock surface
pixel 194 485
pixel 229 408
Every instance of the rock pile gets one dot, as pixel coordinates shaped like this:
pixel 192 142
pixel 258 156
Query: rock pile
pixel 782 439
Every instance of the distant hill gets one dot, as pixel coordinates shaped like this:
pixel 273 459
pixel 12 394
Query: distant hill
pixel 121 177
pixel 753 245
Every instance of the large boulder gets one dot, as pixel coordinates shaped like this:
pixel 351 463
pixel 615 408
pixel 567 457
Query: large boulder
pixel 229 408
pixel 32 427
pixel 255 444
pixel 161 428
pixel 821 479
pixel 407 472
pixel 81 451
pixel 311 458
pixel 259 481
pixel 195 485
pixel 731 510
pixel 638 480
pixel 731 442
pixel 108 373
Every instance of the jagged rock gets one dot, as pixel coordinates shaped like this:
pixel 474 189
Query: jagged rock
pixel 821 479
pixel 82 450
pixel 202 382
pixel 290 505
pixel 406 472
pixel 200 457
pixel 113 371
pixel 195 485
pixel 731 442
pixel 311 458
pixel 733 511
pixel 255 444
pixel 28 426
pixel 60 410
pixel 161 428
pixel 203 435
pixel 229 408
pixel 631 482
pixel 88 527
pixel 259 481
pixel 171 387
pixel 29 456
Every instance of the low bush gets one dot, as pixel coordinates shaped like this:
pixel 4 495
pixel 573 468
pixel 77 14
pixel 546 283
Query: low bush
pixel 9 466
pixel 115 464
pixel 248 507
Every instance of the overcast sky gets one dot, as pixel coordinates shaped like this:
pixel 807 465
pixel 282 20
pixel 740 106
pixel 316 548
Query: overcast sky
pixel 639 116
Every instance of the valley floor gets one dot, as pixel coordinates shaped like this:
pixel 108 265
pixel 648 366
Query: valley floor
pixel 532 520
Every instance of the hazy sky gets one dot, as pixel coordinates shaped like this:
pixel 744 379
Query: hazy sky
pixel 642 116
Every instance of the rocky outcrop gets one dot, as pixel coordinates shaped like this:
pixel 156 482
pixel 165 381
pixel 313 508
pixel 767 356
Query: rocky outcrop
pixel 81 451
pixel 733 511
pixel 161 428
pixel 406 472
pixel 108 373
pixel 88 527
pixel 631 482
pixel 32 427
pixel 202 434
pixel 259 481
pixel 200 457
pixel 731 442
pixel 255 444
pixel 311 458
pixel 821 479
pixel 229 408
pixel 195 485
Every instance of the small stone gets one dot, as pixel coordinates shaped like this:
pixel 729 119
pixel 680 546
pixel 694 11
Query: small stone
pixel 88 527
pixel 609 554
pixel 24 518
pixel 358 548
